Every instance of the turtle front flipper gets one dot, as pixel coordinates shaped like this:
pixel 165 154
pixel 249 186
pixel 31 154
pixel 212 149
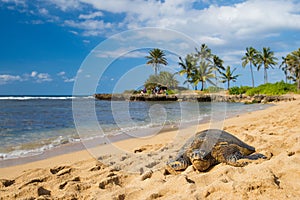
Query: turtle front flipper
pixel 228 153
pixel 175 166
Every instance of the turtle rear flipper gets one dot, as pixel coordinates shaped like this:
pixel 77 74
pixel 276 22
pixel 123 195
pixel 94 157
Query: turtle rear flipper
pixel 229 154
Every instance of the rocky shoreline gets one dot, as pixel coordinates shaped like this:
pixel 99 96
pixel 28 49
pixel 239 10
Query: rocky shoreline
pixel 195 98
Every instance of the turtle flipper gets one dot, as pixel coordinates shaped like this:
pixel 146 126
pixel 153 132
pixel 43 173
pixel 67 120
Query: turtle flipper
pixel 173 167
pixel 229 154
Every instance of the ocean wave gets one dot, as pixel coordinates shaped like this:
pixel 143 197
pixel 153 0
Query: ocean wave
pixel 21 152
pixel 44 97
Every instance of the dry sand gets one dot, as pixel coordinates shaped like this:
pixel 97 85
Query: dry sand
pixel 123 174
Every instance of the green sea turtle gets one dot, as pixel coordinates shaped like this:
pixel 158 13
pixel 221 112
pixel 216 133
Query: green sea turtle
pixel 208 148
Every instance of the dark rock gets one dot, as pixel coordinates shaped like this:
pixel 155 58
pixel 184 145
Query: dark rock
pixel 43 191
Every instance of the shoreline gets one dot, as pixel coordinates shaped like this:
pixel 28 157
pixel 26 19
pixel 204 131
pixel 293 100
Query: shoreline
pixel 73 147
pixel 133 168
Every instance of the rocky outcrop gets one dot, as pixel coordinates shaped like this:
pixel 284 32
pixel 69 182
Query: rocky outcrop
pixel 195 97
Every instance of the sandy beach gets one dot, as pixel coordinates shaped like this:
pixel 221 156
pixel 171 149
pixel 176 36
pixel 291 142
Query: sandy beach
pixel 134 168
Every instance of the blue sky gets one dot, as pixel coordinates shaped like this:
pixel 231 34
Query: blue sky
pixel 47 46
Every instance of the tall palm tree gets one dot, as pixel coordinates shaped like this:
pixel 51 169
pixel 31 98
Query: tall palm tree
pixel 203 73
pixel 217 65
pixel 293 63
pixel 187 66
pixel 204 53
pixel 284 68
pixel 250 57
pixel 228 76
pixel 266 59
pixel 156 58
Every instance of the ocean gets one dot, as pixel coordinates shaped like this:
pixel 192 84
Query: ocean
pixel 31 125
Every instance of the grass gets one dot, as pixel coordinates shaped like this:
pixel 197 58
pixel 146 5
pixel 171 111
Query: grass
pixel 278 88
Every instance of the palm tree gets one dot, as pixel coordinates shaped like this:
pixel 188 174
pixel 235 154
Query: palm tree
pixel 203 73
pixel 217 65
pixel 228 76
pixel 293 63
pixel 267 59
pixel 156 58
pixel 187 65
pixel 250 57
pixel 284 67
pixel 204 53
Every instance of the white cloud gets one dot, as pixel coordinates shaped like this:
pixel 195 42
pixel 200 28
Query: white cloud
pixel 90 27
pixel 33 74
pixel 120 52
pixel 61 73
pixel 215 25
pixel 66 4
pixel 69 80
pixel 91 16
pixel 74 32
pixel 43 11
pixel 6 78
pixel 43 77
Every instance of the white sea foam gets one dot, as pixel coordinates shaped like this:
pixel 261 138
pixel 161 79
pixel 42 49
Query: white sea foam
pixel 43 97
pixel 39 150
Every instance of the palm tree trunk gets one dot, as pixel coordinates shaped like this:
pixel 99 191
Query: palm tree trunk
pixel 228 84
pixel 298 80
pixel 252 74
pixel 202 85
pixel 265 75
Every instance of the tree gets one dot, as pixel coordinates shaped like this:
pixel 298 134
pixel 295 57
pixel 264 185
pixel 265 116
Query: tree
pixel 164 78
pixel 293 63
pixel 203 73
pixel 188 65
pixel 204 54
pixel 228 76
pixel 266 59
pixel 156 58
pixel 217 65
pixel 168 80
pixel 284 68
pixel 250 57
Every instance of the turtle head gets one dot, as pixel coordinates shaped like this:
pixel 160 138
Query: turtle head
pixel 200 160
pixel 198 154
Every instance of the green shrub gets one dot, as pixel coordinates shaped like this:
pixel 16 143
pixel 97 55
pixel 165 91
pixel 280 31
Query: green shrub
pixel 278 88
pixel 239 90
pixel 212 89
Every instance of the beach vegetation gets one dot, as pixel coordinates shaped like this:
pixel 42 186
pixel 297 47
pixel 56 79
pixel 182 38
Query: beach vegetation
pixel 278 88
pixel 165 79
pixel 228 76
pixel 156 58
pixel 250 57
pixel 200 67
pixel 239 90
pixel 265 59
pixel 293 66
pixel 284 67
